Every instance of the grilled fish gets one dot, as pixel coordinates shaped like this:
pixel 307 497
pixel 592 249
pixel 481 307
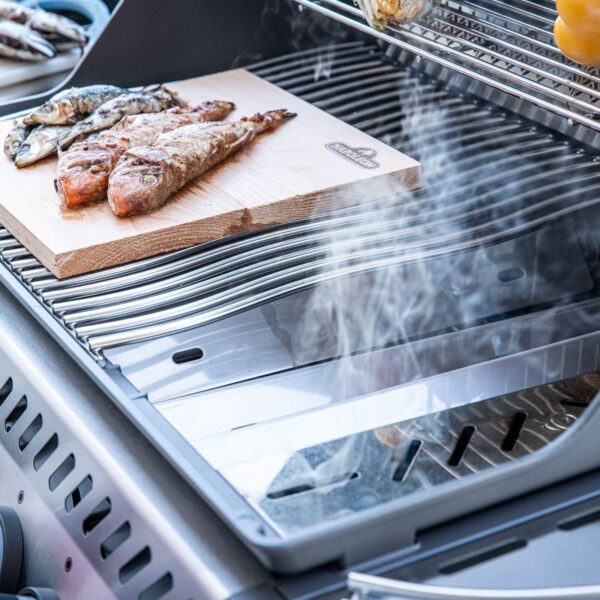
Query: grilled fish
pixel 18 41
pixel 41 142
pixel 146 176
pixel 51 26
pixel 47 139
pixel 112 111
pixel 84 169
pixel 15 138
pixel 72 105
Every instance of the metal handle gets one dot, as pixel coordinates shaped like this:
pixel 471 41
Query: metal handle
pixel 365 586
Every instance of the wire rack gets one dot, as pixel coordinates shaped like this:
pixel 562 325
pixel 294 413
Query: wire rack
pixel 506 44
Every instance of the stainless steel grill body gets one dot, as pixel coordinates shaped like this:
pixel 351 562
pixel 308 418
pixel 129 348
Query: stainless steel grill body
pixel 517 125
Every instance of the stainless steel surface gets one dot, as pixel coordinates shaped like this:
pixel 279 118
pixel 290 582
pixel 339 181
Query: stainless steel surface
pixel 367 587
pixel 262 444
pixel 507 45
pixel 173 293
pixel 183 536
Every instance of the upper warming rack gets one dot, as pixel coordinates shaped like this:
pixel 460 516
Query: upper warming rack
pixel 506 44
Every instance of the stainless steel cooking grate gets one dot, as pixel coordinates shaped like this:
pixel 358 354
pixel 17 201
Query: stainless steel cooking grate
pixel 505 44
pixel 181 290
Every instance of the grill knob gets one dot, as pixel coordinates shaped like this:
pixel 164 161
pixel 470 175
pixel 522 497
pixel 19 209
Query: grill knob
pixel 11 549
pixel 31 593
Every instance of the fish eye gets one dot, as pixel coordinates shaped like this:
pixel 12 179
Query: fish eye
pixel 25 148
pixel 149 179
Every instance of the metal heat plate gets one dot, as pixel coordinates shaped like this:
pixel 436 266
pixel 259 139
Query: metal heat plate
pixel 323 482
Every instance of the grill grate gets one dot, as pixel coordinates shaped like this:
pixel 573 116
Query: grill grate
pixel 177 291
pixel 505 44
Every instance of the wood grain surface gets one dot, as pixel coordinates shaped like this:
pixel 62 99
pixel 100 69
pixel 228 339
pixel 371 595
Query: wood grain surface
pixel 283 176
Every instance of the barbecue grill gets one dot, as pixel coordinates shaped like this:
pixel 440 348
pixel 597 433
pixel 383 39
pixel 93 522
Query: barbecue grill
pixel 397 391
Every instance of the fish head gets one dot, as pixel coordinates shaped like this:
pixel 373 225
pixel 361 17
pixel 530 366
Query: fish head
pixel 13 145
pixel 86 179
pixel 53 112
pixel 42 142
pixel 137 181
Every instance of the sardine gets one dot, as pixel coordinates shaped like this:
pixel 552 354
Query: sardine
pixel 145 177
pixel 18 41
pixel 72 105
pixel 41 142
pixel 15 138
pixel 84 169
pixel 112 111
pixel 50 25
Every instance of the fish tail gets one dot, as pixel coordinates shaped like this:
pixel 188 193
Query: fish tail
pixel 270 119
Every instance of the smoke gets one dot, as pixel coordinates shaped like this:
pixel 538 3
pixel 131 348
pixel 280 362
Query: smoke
pixel 442 246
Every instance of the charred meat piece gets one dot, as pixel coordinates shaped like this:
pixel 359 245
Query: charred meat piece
pixel 145 177
pixel 83 170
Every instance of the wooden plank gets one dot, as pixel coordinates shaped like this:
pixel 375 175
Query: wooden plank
pixel 283 176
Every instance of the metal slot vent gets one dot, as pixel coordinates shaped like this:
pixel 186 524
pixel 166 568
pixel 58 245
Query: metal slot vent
pixel 24 427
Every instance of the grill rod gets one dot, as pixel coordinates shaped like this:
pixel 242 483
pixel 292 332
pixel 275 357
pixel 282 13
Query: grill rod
pixel 510 90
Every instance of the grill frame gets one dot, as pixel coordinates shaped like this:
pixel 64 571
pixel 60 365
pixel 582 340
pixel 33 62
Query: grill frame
pixel 572 454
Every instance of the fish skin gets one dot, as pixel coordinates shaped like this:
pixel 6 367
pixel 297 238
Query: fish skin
pixel 112 111
pixel 15 138
pixel 47 139
pixel 44 22
pixel 83 170
pixel 145 177
pixel 72 105
pixel 19 41
pixel 41 142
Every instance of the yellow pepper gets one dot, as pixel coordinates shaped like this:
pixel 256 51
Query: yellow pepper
pixel 577 30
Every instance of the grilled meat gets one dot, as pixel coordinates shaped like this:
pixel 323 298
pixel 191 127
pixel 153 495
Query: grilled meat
pixel 83 170
pixel 130 103
pixel 19 41
pixel 15 138
pixel 51 26
pixel 146 176
pixel 72 105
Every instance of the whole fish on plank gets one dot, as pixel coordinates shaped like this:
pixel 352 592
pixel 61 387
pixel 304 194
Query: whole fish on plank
pixel 18 41
pixel 73 105
pixel 46 140
pixel 145 177
pixel 84 169
pixel 50 25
